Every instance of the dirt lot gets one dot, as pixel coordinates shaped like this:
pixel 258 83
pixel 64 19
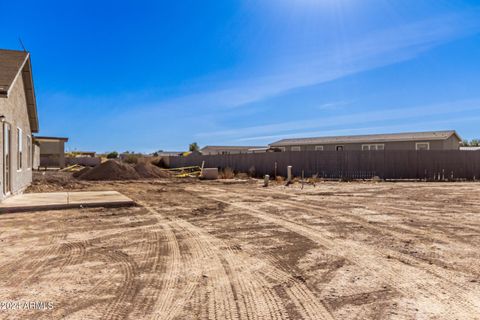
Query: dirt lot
pixel 225 250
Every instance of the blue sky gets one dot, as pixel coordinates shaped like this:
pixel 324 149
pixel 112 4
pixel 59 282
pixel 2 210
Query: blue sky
pixel 149 75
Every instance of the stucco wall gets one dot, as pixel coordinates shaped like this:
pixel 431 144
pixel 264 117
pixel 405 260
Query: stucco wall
pixel 14 108
pixel 208 151
pixel 36 157
pixel 450 144
pixel 52 153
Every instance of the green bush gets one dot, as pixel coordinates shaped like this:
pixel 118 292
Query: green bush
pixel 112 155
pixel 131 158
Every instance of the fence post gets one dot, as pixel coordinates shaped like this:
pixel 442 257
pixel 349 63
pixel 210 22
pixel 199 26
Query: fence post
pixel 303 177
pixel 266 180
pixel 289 174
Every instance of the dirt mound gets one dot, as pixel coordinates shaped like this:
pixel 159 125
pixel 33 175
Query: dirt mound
pixel 54 181
pixel 150 171
pixel 81 172
pixel 111 170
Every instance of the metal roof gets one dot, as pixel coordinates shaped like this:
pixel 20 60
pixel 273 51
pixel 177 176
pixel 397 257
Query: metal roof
pixel 230 147
pixel 51 138
pixel 470 148
pixel 390 137
pixel 13 64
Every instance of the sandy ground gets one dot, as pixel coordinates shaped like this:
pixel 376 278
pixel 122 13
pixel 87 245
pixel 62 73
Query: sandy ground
pixel 235 250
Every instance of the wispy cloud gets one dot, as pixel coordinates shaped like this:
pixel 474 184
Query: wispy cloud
pixel 335 105
pixel 374 50
pixel 214 99
pixel 326 125
pixel 405 127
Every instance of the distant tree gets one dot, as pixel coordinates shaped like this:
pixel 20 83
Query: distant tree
pixel 157 153
pixel 471 143
pixel 194 147
pixel 131 158
pixel 112 155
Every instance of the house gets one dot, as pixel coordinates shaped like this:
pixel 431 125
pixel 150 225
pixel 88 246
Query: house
pixel 213 150
pixel 168 153
pixel 470 148
pixel 83 154
pixel 18 120
pixel 434 140
pixel 52 151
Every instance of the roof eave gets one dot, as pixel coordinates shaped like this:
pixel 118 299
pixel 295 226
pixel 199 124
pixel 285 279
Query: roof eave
pixel 26 71
pixel 32 101
pixel 454 133
pixel 301 143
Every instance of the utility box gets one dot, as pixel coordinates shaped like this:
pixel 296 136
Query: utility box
pixel 209 174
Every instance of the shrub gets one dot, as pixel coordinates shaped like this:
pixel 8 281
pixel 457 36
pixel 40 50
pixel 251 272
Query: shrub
pixel 251 172
pixel 241 175
pixel 227 173
pixel 131 158
pixel 112 155
pixel 193 147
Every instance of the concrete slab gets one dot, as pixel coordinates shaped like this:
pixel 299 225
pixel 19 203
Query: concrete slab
pixel 64 200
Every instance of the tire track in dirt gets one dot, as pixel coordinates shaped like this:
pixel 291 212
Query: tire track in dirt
pixel 174 295
pixel 383 230
pixel 432 219
pixel 287 274
pixel 153 263
pixel 92 297
pixel 259 301
pixel 401 205
pixel 20 272
pixel 458 302
pixel 96 252
pixel 306 302
pixel 346 217
pixel 128 290
pixel 253 282
pixel 239 298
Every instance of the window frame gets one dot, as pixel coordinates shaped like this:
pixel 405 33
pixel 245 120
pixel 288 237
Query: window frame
pixel 341 146
pixel 318 148
pixel 19 149
pixel 295 148
pixel 374 145
pixel 422 143
pixel 29 153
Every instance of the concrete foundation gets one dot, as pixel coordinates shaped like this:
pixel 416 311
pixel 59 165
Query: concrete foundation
pixel 64 200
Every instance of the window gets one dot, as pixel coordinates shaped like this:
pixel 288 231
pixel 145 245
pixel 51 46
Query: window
pixel 422 146
pixel 19 149
pixel 318 148
pixel 29 152
pixel 339 148
pixel 282 149
pixel 296 148
pixel 366 147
